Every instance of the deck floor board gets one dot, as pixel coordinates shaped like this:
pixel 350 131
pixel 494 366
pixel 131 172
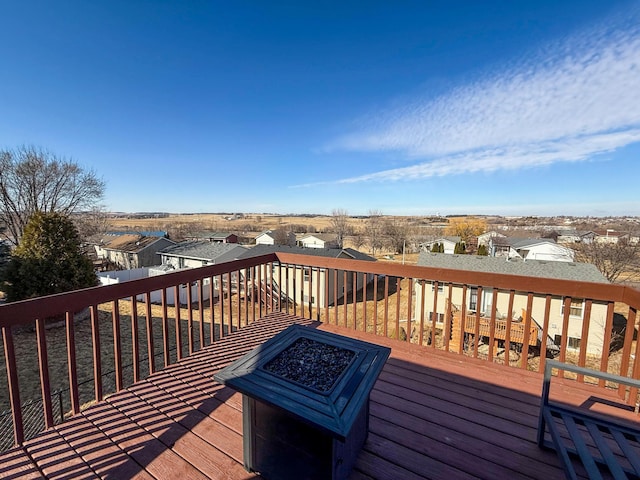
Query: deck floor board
pixel 433 415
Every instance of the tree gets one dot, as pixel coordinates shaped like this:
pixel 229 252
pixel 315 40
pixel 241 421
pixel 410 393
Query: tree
pixel 35 180
pixel 48 260
pixel 374 229
pixel 616 261
pixel 460 248
pixel 281 236
pixel 5 256
pixel 340 225
pixel 94 222
pixel 466 228
pixel 397 233
pixel 482 250
pixel 437 248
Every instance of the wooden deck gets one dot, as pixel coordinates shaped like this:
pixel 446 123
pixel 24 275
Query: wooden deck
pixel 433 415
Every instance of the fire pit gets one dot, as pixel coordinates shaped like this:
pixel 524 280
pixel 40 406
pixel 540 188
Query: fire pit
pixel 305 402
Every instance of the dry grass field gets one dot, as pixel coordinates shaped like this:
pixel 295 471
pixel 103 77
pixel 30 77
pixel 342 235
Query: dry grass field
pixel 219 222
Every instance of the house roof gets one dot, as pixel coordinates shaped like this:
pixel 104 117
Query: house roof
pixel 584 272
pixel 203 250
pixel 519 242
pixel 145 233
pixel 325 237
pixel 317 252
pixel 132 243
pixel 213 235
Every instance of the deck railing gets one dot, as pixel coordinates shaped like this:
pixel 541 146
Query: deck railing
pixel 109 337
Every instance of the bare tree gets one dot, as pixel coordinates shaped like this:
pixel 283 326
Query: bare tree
pixel 282 235
pixel 616 261
pixel 374 229
pixel 340 224
pixel 35 180
pixel 397 234
pixel 94 222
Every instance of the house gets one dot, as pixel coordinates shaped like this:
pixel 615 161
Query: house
pixel 193 253
pixel 310 283
pixel 318 240
pixel 270 237
pixel 484 238
pixel 132 250
pixel 576 236
pixel 448 243
pixel 530 249
pixel 476 301
pixel 610 236
pixel 144 233
pixel 220 237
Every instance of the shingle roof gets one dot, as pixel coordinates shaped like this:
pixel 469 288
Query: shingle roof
pixel 583 272
pixel 130 243
pixel 317 252
pixel 325 237
pixel 202 250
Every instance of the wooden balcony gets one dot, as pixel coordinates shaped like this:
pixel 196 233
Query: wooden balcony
pixel 431 417
pixel 147 406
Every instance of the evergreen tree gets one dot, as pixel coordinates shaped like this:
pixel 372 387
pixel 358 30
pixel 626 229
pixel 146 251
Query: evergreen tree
pixel 482 250
pixel 48 260
pixel 435 248
pixel 460 248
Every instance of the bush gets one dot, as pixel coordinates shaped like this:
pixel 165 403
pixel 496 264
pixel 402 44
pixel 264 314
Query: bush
pixel 48 260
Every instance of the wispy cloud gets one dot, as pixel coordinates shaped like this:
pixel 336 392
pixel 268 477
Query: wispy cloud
pixel 566 103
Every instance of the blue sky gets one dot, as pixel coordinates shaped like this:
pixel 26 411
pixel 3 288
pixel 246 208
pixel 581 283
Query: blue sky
pixel 512 108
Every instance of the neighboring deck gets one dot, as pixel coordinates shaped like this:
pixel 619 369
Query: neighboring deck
pixel 433 415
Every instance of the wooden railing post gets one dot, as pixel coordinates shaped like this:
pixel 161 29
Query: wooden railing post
pixel 43 362
pixel 14 389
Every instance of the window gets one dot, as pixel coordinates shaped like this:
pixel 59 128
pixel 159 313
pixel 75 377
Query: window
pixel 473 299
pixel 575 310
pixel 573 343
pixel 440 287
pixel 305 299
pixel 307 274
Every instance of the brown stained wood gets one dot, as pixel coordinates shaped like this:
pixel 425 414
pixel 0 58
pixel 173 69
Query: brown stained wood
pixel 43 363
pixel 135 341
pixel 16 465
pixel 212 299
pixel 433 414
pixel 97 358
pixel 586 320
pixel 71 362
pixel 492 326
pixel 201 311
pixel 99 451
pixel 147 450
pixel 117 344
pixel 565 329
pixel 528 335
pixel 604 363
pixel 545 332
pixel 507 343
pixel 151 352
pixel 178 330
pixel 190 332
pixel 55 458
pixel 165 329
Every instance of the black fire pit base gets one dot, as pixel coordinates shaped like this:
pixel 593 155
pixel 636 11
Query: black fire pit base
pixel 282 447
pixel 294 430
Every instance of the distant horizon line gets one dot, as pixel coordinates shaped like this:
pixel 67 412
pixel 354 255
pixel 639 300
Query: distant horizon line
pixel 451 215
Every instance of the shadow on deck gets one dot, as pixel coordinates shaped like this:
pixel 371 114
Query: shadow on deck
pixel 433 415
